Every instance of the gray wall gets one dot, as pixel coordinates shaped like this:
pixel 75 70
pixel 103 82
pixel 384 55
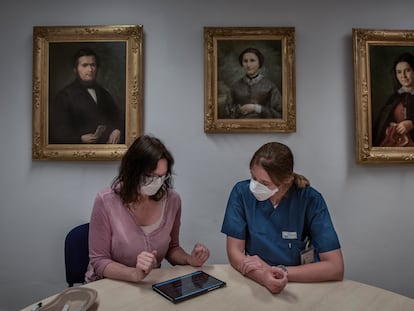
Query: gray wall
pixel 40 201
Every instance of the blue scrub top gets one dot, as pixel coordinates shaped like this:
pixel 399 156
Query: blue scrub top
pixel 277 235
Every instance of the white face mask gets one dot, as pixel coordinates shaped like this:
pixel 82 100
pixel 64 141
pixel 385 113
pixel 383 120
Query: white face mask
pixel 153 186
pixel 260 191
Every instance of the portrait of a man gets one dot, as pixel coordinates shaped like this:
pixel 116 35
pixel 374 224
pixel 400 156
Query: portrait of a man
pixel 87 93
pixel 249 79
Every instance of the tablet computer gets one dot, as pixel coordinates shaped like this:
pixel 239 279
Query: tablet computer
pixel 187 286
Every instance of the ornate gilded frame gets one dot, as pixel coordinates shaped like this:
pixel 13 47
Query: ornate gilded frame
pixel 222 46
pixel 374 54
pixel 127 38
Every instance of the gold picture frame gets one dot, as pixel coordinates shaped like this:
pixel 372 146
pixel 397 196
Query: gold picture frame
pixel 380 103
pixel 118 50
pixel 272 102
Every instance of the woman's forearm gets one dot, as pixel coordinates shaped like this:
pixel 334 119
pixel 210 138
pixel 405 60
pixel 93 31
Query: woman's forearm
pixel 329 268
pixel 117 271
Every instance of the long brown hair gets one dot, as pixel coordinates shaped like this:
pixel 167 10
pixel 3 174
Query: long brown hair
pixel 139 162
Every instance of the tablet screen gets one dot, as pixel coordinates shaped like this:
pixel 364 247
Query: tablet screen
pixel 187 286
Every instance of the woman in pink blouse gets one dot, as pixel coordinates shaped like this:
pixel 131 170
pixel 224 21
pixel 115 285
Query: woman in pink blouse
pixel 135 223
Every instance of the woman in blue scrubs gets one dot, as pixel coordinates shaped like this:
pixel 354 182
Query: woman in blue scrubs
pixel 278 227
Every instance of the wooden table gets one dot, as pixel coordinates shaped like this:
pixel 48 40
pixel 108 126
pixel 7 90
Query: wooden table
pixel 242 293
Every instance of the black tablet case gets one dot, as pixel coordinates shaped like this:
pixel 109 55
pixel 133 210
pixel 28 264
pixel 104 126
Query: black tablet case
pixel 187 286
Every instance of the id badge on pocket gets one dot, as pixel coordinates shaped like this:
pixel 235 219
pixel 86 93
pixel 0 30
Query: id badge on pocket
pixel 307 255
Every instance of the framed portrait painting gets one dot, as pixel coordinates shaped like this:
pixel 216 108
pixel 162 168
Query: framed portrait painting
pixel 87 91
pixel 249 76
pixel 384 95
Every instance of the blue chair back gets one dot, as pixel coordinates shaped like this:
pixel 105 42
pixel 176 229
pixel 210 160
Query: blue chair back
pixel 77 254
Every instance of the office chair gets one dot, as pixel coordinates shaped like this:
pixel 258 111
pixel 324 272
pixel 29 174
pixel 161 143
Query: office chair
pixel 77 254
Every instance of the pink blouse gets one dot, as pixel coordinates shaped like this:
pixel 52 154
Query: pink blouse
pixel 114 234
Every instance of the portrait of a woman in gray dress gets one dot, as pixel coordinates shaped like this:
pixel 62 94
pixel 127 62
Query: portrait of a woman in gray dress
pixel 253 96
